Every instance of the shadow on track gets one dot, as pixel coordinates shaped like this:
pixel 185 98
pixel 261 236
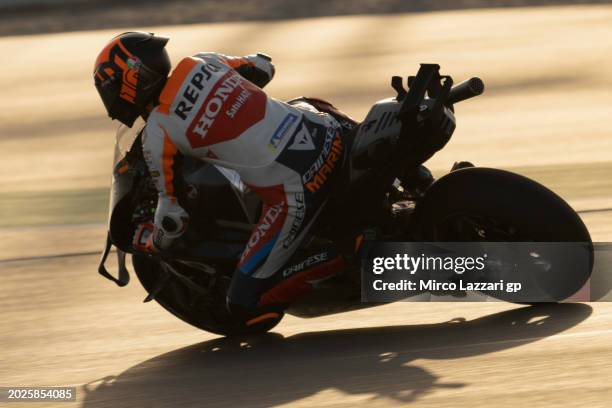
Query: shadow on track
pixel 270 369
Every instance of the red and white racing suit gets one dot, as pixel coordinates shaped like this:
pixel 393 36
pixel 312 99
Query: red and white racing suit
pixel 286 153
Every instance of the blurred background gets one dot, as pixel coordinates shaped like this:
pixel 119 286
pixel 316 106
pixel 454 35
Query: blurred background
pixel 546 114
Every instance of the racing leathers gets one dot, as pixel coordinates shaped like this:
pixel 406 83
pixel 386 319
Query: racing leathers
pixel 213 108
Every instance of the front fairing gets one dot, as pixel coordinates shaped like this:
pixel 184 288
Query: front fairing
pixel 122 183
pixel 123 179
pixel 128 170
pixel 220 206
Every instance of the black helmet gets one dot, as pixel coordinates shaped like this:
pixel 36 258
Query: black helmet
pixel 130 73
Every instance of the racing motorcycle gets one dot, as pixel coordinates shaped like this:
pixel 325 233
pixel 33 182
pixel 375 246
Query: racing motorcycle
pixel 385 194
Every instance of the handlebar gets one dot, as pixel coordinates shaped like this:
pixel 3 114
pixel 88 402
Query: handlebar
pixel 467 89
pixel 426 123
pixel 429 97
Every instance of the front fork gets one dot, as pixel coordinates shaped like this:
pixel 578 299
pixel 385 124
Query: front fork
pixel 407 191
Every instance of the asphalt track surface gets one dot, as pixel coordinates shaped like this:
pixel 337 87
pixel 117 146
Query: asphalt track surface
pixel 545 114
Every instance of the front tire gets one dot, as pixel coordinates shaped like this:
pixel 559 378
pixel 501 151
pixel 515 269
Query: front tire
pixel 491 205
pixel 204 311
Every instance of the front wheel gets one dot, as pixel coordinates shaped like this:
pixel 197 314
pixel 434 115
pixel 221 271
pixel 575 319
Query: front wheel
pixel 201 307
pixel 491 205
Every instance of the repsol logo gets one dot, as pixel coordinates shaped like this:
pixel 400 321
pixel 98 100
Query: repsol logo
pixel 194 88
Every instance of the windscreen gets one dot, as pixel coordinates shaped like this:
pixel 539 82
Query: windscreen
pixel 125 139
pixel 122 174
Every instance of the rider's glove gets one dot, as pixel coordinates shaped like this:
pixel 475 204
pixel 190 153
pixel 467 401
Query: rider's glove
pixel 170 223
pixel 262 70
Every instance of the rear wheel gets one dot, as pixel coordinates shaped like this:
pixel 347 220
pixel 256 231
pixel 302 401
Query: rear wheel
pixel 201 307
pixel 490 205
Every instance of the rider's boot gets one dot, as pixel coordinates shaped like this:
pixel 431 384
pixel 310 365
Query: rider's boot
pixel 255 301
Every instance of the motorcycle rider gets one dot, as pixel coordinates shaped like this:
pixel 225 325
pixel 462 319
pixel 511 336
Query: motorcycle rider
pixel 212 107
